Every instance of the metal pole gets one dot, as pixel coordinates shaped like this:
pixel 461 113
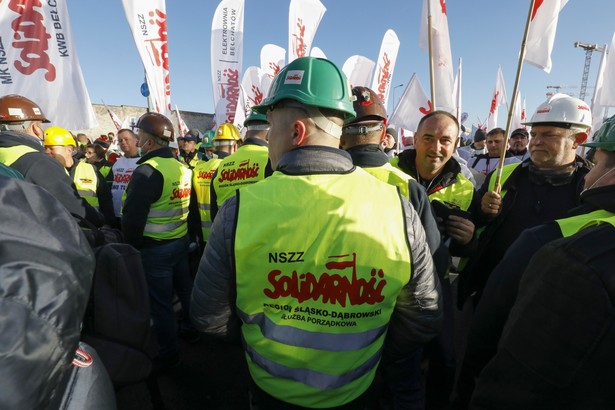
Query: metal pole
pixel 514 99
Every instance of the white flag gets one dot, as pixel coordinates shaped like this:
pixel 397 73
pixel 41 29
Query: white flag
pixel 181 125
pixel 116 120
pixel 317 52
pixel 147 20
pixel 413 105
pixel 381 82
pixel 303 19
pixel 359 71
pixel 517 116
pixel 272 61
pixel 226 58
pixel 599 110
pixel 607 93
pixel 541 35
pixel 38 60
pixel 499 98
pixel 441 49
pixel 251 93
pixel 457 91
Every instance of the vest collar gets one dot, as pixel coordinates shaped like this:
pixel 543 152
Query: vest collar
pixel 315 160
pixel 368 156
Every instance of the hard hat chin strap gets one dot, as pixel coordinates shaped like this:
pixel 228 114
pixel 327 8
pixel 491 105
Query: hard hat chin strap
pixel 358 129
pixel 323 122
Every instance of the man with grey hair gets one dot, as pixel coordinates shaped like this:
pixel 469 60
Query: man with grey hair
pixel 21 148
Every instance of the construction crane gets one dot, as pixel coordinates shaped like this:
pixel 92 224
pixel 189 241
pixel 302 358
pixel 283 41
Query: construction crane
pixel 558 88
pixel 589 49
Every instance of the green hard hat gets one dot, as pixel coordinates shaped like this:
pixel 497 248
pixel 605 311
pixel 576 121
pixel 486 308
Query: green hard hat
pixel 311 81
pixel 604 138
pixel 208 139
pixel 255 116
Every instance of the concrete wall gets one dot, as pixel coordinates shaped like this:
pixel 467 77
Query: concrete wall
pixel 201 121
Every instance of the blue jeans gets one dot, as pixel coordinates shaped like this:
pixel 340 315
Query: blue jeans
pixel 166 268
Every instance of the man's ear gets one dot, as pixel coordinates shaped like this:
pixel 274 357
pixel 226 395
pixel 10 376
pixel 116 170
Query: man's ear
pixel 35 129
pixel 580 138
pixel 300 133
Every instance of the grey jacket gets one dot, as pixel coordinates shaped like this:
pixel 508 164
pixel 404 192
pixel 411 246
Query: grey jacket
pixel 418 312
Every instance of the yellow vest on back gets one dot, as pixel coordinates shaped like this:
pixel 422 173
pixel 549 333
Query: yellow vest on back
pixel 244 167
pixel 574 224
pixel 317 280
pixel 85 179
pixel 202 174
pixel 8 155
pixel 392 176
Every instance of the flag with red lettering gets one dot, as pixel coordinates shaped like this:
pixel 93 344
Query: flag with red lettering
pixel 499 98
pixel 413 105
pixel 359 70
pixel 251 94
pixel 181 125
pixel 116 120
pixel 541 34
pixel 147 20
pixel 272 60
pixel 518 113
pixel 441 50
pixel 38 60
pixel 227 58
pixel 381 81
pixel 303 19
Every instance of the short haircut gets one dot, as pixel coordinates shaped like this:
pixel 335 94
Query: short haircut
pixel 131 132
pixel 439 113
pixel 610 158
pixel 495 131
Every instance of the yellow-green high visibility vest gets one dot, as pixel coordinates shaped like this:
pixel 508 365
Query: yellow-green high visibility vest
pixel 317 279
pixel 85 179
pixel 506 171
pixel 570 226
pixel 104 170
pixel 8 155
pixel 202 174
pixel 244 167
pixel 168 215
pixel 458 195
pixel 392 176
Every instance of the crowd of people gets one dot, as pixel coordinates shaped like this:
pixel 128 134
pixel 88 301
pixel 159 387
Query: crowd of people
pixel 338 263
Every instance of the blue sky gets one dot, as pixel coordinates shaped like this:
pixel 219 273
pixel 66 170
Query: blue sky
pixel 484 33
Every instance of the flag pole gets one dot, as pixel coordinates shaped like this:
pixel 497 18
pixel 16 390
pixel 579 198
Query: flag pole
pixel 432 81
pixel 498 188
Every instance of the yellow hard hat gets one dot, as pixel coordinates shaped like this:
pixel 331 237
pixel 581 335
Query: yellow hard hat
pixel 58 136
pixel 227 132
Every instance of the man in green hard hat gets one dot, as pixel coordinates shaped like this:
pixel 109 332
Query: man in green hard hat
pixel 301 268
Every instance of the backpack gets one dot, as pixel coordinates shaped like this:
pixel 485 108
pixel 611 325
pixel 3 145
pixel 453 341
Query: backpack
pixel 117 319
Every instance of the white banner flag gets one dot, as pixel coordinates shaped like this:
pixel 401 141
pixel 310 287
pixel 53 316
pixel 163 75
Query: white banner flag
pixel 38 60
pixel 607 88
pixel 303 19
pixel 517 116
pixel 541 35
pixel 359 71
pixel 272 60
pixel 499 98
pixel 181 125
pixel 251 93
pixel 413 105
pixel 116 120
pixel 441 49
pixel 599 111
pixel 226 58
pixel 381 82
pixel 317 52
pixel 147 20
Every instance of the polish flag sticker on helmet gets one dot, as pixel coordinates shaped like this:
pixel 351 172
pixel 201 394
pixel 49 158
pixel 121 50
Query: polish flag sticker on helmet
pixel 294 77
pixel 15 112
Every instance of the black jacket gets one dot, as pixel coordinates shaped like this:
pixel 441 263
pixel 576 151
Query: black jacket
pixel 40 169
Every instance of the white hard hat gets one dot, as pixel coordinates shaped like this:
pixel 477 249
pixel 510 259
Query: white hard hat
pixel 563 111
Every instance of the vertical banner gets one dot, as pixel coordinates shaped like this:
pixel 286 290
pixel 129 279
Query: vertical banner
pixel 116 120
pixel 38 60
pixel 147 20
pixel 541 34
pixel 303 19
pixel 607 93
pixel 441 48
pixel 517 116
pixel 272 60
pixel 359 71
pixel 251 93
pixel 499 98
pixel 413 105
pixel 181 125
pixel 381 82
pixel 226 58
pixel 317 52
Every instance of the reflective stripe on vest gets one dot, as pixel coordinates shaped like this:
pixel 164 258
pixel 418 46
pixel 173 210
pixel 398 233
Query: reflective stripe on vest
pixel 168 215
pixel 8 155
pixel 244 167
pixel 201 181
pixel 86 181
pixel 506 171
pixel 458 195
pixel 316 293
pixel 392 176
pixel 574 224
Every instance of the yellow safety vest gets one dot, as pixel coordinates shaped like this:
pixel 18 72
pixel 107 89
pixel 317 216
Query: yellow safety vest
pixel 392 176
pixel 570 226
pixel 9 155
pixel 86 181
pixel 244 167
pixel 168 215
pixel 506 171
pixel 317 280
pixel 201 182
